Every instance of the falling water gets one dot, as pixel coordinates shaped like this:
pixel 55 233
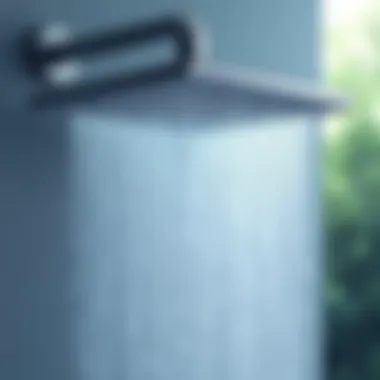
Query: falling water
pixel 195 253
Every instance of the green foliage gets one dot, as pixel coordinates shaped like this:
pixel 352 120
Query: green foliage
pixel 352 200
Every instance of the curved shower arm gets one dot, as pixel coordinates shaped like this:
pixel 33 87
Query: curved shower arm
pixel 38 56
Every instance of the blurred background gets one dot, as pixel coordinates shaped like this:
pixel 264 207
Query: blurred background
pixel 352 192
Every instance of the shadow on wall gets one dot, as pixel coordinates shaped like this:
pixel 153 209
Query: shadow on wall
pixel 35 260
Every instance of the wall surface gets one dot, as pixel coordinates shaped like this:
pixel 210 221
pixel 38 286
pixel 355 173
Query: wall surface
pixel 131 251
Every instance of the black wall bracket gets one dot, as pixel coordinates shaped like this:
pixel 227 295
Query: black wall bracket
pixel 54 46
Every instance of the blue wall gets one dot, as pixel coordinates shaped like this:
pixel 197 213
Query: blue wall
pixel 129 251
